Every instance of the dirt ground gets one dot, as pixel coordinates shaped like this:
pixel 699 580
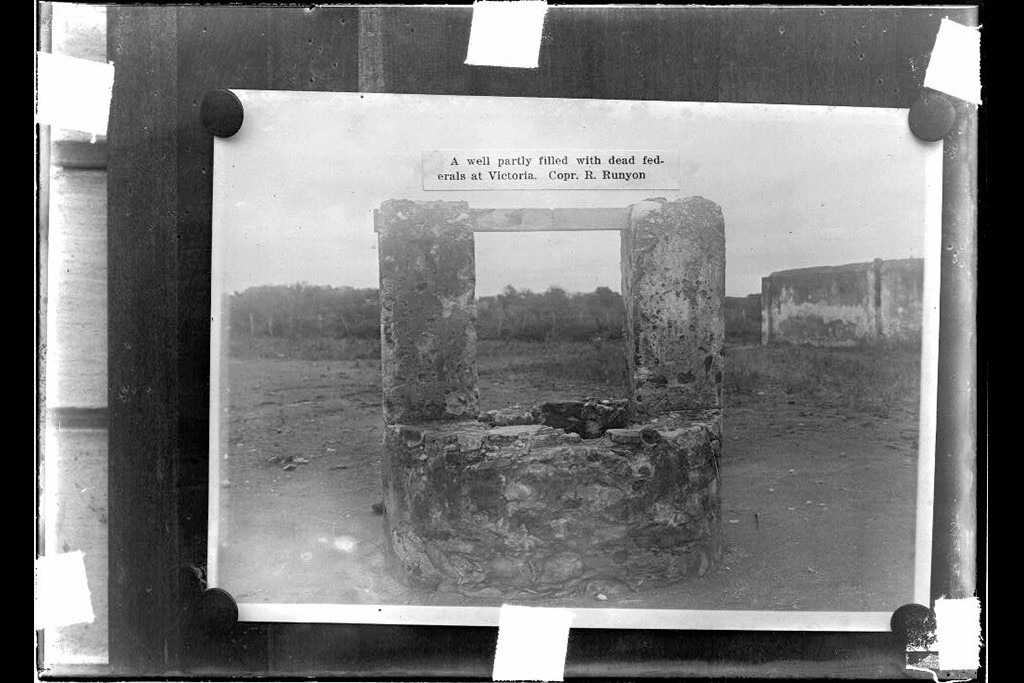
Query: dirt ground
pixel 818 490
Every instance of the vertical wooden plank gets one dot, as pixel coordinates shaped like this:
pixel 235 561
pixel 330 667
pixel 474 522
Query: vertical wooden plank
pixel 955 540
pixel 77 351
pixel 143 381
pixel 423 49
pixel 80 523
pixel 44 38
pixel 75 341
pixel 242 48
pixel 775 55
pixel 313 48
pixel 868 57
pixel 42 245
pixel 79 31
pixel 371 50
pixel 663 53
pixel 217 47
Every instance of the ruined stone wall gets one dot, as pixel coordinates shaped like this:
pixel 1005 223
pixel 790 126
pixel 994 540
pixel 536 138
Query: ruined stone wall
pixel 902 298
pixel 599 495
pixel 870 303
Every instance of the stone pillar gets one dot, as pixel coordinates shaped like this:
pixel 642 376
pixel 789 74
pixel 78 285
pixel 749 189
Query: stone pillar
pixel 673 287
pixel 428 311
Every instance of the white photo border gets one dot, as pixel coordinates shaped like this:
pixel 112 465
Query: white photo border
pixel 599 618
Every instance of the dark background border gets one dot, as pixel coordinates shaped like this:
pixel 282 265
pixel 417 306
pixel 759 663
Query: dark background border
pixel 160 198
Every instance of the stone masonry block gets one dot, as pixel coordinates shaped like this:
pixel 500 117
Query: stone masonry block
pixel 530 510
pixel 428 311
pixel 673 286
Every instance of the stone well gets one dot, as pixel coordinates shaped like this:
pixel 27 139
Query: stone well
pixel 595 495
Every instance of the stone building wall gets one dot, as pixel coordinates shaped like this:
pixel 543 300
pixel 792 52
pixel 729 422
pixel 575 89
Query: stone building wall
pixel 902 299
pixel 873 303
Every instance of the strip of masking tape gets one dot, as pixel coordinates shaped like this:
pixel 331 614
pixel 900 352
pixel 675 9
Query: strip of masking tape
pixel 74 93
pixel 506 33
pixel 532 642
pixel 955 64
pixel 62 591
pixel 958 633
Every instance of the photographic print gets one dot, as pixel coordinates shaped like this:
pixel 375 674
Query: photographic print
pixel 668 364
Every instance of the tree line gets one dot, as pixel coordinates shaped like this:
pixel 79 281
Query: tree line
pixel 303 311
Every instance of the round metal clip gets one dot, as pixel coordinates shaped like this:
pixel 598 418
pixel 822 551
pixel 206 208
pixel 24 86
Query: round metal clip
pixel 222 113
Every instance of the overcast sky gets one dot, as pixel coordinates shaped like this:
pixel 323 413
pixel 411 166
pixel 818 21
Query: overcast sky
pixel 295 189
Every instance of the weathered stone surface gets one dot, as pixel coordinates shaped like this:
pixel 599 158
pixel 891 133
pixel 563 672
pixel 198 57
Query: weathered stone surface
pixel 514 415
pixel 826 306
pixel 428 311
pixel 901 301
pixel 534 510
pixel 629 436
pixel 599 415
pixel 589 418
pixel 673 286
pixel 562 415
pixel 875 302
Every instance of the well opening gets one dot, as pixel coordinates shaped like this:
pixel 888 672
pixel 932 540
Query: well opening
pixel 562 496
pixel 550 329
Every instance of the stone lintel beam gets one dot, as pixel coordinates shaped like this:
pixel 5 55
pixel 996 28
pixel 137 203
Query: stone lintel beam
pixel 546 220
pixel 549 220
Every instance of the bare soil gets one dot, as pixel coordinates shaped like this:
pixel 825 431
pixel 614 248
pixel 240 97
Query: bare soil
pixel 819 472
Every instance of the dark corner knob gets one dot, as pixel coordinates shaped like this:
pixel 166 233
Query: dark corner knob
pixel 218 611
pixel 914 625
pixel 222 113
pixel 932 117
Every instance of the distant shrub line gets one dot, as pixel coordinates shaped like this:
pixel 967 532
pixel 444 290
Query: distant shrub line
pixel 304 311
pixel 310 312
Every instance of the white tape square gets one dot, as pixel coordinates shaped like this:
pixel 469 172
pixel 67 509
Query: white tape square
pixel 532 642
pixel 74 93
pixel 506 33
pixel 62 591
pixel 955 64
pixel 958 633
